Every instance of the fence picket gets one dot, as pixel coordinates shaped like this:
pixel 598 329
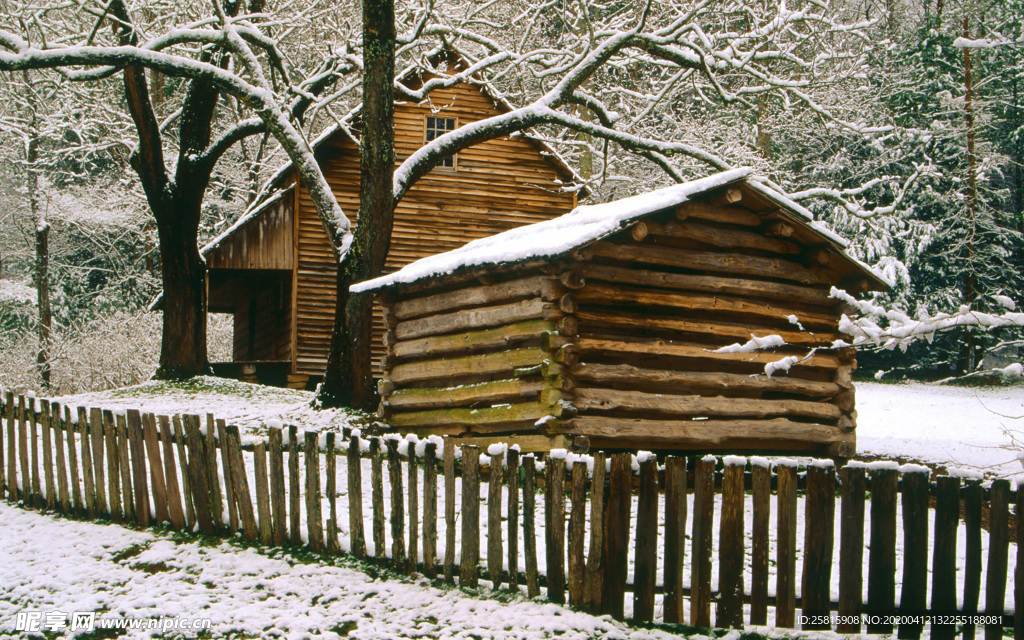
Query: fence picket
pixel 529 524
pixel 972 500
pixel 703 518
pixel 430 510
pixel 512 478
pixel 99 473
pixel 294 501
pixel 577 532
pixel 449 510
pixel 914 593
pixel 554 515
pixel 331 542
pixel 397 506
pixel 495 549
pixel 175 510
pixel 212 476
pixel 138 460
pixel 277 497
pixel 1018 579
pixel 36 484
pixel 357 536
pixel 186 492
pixel 87 473
pixel 124 467
pixel 58 445
pixel 314 517
pixel 851 549
pixel 197 477
pixel 998 550
pixel 240 483
pixel 266 525
pixel 156 468
pixel 944 551
pixel 377 497
pixel 72 460
pixel 675 537
pixel 646 554
pixel 23 456
pixel 731 549
pixel 48 470
pixel 616 536
pixel 414 509
pixel 882 557
pixel 11 469
pixel 785 526
pixel 761 490
pixel 470 559
pixel 229 493
pixel 593 572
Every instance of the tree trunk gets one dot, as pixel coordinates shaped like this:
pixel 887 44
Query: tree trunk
pixel 42 266
pixel 348 380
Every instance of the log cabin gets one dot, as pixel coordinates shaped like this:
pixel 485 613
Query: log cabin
pixel 629 325
pixel 274 272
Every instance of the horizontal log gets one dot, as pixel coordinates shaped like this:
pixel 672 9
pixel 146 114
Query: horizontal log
pixel 437 397
pixel 447 369
pixel 608 295
pixel 723 237
pixel 714 262
pixel 528 443
pixel 776 434
pixel 701 380
pixel 479 318
pixel 675 349
pixel 539 286
pixel 501 414
pixel 472 341
pixel 711 284
pixel 720 332
pixel 705 211
pixel 600 399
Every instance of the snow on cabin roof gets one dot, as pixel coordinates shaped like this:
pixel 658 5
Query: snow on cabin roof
pixel 586 224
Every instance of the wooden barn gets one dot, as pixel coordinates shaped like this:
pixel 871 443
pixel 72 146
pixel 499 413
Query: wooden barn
pixel 608 323
pixel 273 270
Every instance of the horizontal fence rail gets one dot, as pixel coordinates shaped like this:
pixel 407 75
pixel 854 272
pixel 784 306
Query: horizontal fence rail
pixel 707 541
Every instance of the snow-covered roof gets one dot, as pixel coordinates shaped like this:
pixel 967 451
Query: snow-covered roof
pixel 587 224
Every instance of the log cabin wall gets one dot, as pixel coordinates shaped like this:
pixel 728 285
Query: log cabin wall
pixel 494 186
pixel 660 298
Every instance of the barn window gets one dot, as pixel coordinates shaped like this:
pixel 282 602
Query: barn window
pixel 437 127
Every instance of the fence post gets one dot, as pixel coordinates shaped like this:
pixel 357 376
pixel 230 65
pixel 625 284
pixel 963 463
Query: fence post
pixel 87 474
pixel 554 516
pixel 5 454
pixel 616 536
pixel 1018 580
pixel 23 456
pixel 430 510
pixel 229 492
pixel 124 468
pixel 998 549
pixel 675 537
pixel 914 594
pixel 186 486
pixel 703 518
pixel 37 493
pixel 96 431
pixel 577 532
pixel 495 550
pixel 58 445
pixel 259 461
pixel 785 525
pixel 972 500
pixel 646 553
pixel 76 479
pixel 47 438
pixel 175 511
pixel 449 509
pixel 240 484
pixel 212 477
pixel 529 524
pixel 332 495
pixel 882 557
pixel 593 572
pixel 197 474
pixel 357 537
pixel 397 505
pixel 377 490
pixel 819 520
pixel 294 501
pixel 512 477
pixel 731 546
pixel 314 517
pixel 277 497
pixel 947 520
pixel 468 569
pixel 851 549
pixel 156 468
pixel 414 508
pixel 12 448
pixel 761 489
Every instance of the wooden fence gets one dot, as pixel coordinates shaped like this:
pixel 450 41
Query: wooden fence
pixel 143 470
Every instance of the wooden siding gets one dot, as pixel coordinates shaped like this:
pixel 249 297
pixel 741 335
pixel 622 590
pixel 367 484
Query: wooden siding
pixel 262 242
pixel 498 185
pixel 270 298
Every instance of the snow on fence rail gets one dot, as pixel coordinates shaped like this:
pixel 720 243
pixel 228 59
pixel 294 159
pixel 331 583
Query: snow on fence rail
pixel 143 469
